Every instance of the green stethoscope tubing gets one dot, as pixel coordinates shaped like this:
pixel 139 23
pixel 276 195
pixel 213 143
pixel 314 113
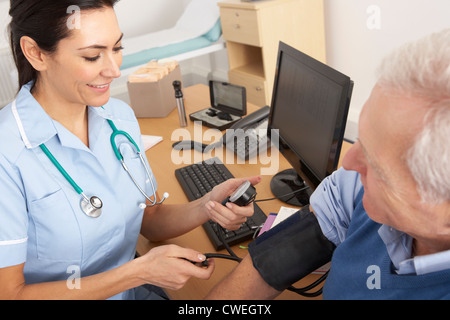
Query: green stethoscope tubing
pixel 113 140
pixel 92 206
pixel 61 169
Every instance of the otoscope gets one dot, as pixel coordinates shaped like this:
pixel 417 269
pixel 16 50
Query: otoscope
pixel 180 103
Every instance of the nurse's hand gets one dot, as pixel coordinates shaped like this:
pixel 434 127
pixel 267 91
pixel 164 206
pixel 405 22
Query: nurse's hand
pixel 231 216
pixel 166 267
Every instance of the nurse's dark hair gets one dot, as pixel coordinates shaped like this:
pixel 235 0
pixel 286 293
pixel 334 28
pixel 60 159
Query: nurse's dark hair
pixel 45 21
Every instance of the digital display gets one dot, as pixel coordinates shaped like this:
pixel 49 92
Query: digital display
pixel 228 97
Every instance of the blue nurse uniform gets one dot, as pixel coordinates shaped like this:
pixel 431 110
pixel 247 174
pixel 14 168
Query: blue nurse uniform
pixel 41 222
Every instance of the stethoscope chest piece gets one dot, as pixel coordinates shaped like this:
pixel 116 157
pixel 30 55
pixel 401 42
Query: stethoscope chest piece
pixel 92 206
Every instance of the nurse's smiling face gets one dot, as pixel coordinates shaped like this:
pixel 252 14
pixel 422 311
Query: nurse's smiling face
pixel 85 63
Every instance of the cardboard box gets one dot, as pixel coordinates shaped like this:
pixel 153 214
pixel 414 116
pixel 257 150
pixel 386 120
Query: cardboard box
pixel 151 91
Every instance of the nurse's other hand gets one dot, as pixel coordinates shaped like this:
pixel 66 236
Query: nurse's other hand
pixel 166 267
pixel 230 216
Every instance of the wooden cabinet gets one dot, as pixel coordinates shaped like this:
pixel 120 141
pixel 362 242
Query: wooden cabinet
pixel 253 30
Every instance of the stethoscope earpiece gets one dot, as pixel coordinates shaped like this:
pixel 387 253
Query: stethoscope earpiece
pixel 143 205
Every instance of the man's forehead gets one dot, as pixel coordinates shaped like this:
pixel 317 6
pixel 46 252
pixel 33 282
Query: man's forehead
pixel 394 117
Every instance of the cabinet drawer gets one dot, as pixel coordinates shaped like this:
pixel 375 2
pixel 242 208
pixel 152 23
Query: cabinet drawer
pixel 255 89
pixel 240 25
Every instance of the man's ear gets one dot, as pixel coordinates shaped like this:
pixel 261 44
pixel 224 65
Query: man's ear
pixel 34 54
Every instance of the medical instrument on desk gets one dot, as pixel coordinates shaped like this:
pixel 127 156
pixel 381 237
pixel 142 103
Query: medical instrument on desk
pixel 92 206
pixel 180 103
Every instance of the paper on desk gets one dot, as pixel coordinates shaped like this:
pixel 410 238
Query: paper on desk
pixel 275 218
pixel 283 214
pixel 150 141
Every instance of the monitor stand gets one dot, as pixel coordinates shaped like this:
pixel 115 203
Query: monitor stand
pixel 288 181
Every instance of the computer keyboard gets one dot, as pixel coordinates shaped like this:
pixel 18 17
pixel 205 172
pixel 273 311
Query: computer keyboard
pixel 198 179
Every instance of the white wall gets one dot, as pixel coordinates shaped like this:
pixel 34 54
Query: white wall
pixel 138 16
pixel 359 33
pixel 4 20
pixel 135 16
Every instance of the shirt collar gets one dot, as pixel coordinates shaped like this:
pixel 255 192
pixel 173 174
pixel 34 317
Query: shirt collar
pixel 37 127
pixel 399 247
pixel 398 244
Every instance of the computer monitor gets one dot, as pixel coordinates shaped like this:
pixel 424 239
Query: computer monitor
pixel 309 110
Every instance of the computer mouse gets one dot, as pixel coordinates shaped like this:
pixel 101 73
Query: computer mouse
pixel 188 145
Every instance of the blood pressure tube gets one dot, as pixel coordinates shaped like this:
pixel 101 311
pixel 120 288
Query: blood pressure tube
pixel 180 103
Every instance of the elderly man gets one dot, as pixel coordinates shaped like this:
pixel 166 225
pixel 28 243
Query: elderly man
pixel 388 211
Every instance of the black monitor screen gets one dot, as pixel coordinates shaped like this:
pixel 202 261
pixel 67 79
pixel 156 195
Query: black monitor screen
pixel 309 109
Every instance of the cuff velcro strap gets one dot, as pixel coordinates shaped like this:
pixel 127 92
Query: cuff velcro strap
pixel 291 250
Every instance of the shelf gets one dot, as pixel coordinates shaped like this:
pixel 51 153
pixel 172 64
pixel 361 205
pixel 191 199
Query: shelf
pixel 246 59
pixel 254 70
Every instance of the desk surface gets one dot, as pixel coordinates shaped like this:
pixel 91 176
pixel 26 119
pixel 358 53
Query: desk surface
pixel 161 160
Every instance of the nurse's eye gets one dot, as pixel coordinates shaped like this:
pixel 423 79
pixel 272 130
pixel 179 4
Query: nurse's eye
pixel 92 59
pixel 118 49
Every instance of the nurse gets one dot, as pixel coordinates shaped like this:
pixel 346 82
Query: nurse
pixel 67 54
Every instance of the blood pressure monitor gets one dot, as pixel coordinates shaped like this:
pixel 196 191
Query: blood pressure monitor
pixel 243 195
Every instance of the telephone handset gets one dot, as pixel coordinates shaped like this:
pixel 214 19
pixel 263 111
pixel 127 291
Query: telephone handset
pixel 249 135
pixel 250 120
pixel 245 137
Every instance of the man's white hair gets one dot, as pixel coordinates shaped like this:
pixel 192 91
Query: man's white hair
pixel 422 69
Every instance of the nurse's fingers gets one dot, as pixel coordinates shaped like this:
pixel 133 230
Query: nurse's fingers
pixel 238 211
pixel 230 216
pixel 195 263
pixel 189 254
pixel 199 271
pixel 171 266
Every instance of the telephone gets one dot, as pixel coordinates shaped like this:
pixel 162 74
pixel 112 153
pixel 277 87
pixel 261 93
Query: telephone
pixel 249 135
pixel 245 137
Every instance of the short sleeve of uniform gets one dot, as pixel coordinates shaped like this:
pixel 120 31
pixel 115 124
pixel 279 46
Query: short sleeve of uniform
pixel 13 217
pixel 334 201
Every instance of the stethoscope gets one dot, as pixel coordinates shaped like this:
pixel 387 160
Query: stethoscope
pixel 92 206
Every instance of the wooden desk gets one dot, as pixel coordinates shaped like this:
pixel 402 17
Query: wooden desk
pixel 196 98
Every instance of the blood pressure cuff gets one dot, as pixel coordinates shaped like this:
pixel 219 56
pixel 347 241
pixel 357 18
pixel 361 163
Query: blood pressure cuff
pixel 291 250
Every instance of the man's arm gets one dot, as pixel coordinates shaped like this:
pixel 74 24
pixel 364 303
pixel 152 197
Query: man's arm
pixel 243 283
pixel 279 257
pixel 297 246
